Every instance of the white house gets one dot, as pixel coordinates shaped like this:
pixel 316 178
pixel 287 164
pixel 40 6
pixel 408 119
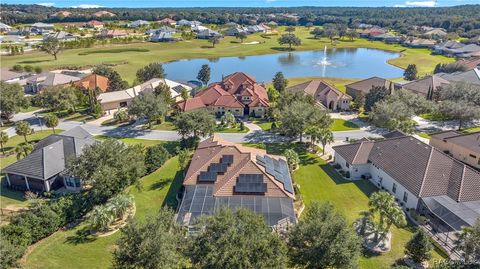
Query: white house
pixel 420 177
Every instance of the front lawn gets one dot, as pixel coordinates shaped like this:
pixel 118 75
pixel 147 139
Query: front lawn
pixel 265 125
pixel 65 249
pixel 165 126
pixel 343 125
pixel 170 146
pixel 235 129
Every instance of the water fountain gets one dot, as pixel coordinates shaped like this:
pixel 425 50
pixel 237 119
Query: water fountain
pixel 324 60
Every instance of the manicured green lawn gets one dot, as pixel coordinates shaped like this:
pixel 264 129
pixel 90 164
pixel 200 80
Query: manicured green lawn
pixel 472 129
pixel 128 60
pixel 320 182
pixel 343 125
pixel 232 130
pixel 30 109
pixel 424 135
pixel 64 249
pixel 265 125
pixel 170 146
pixel 165 126
pixel 35 137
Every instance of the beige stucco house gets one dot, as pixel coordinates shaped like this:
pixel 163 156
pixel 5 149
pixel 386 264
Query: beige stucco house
pixel 463 147
pixel 325 94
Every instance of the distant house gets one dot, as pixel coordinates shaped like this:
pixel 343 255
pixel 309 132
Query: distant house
pixel 93 82
pixel 364 86
pixel 237 93
pixel 9 76
pixel 37 83
pixel 5 28
pixel 463 147
pixel 104 13
pixel 95 24
pixel 207 34
pixel 162 37
pixel 426 86
pixel 470 63
pixel 138 23
pixel 199 28
pixel 44 27
pixel 223 174
pixel 113 101
pixel 325 94
pixel 419 43
pixel 167 21
pixel 114 33
pixel 457 49
pixel 63 13
pixel 421 178
pixel 43 169
pixel 60 36
pixel 188 23
pixel 438 32
pixel 235 31
pixel 387 38
pixel 471 76
pixel 372 32
pixel 256 29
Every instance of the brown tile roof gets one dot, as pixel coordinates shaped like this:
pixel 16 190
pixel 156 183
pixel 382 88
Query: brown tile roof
pixel 213 149
pixel 225 93
pixel 470 141
pixel 424 85
pixel 367 84
pixel 420 168
pixel 470 63
pixel 317 87
pixel 94 22
pixel 92 82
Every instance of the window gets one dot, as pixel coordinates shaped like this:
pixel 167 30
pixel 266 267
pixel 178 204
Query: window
pixel 347 165
pixel 473 156
pixel 123 104
pixel 405 196
pixel 236 110
pixel 394 188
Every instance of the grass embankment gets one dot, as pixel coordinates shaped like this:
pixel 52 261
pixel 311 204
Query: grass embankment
pixel 129 60
pixel 320 182
pixel 66 249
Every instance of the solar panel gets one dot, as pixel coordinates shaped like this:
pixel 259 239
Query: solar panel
pixel 207 176
pixel 250 183
pixel 218 168
pixel 278 169
pixel 227 159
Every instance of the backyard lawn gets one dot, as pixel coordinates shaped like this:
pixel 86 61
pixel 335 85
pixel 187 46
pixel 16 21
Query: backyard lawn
pixel 320 182
pixel 126 60
pixel 343 125
pixel 65 249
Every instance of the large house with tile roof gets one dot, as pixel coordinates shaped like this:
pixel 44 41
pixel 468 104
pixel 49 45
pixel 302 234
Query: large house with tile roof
pixel 42 169
pixel 224 174
pixel 237 93
pixel 463 147
pixel 325 94
pixel 93 82
pixel 426 86
pixel 420 177
pixel 364 86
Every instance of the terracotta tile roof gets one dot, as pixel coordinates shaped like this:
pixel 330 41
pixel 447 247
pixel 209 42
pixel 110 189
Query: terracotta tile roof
pixel 92 82
pixel 214 148
pixel 367 84
pixel 420 168
pixel 424 85
pixel 227 92
pixel 94 22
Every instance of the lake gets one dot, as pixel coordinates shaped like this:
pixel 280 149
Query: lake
pixel 342 63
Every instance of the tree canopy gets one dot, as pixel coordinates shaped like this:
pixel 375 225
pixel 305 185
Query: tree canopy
pixel 52 46
pixel 290 40
pixel 149 106
pixel 239 239
pixel 323 239
pixel 58 98
pixel 152 70
pixel 195 123
pixel 280 82
pixel 115 82
pixel 204 74
pixel 13 99
pixel 419 247
pixel 460 101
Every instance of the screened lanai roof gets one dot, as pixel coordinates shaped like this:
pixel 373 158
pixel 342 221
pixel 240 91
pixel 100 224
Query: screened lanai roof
pixel 199 200
pixel 453 213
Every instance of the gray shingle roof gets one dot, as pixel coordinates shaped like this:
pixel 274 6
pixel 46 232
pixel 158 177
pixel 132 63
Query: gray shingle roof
pixel 420 168
pixel 50 155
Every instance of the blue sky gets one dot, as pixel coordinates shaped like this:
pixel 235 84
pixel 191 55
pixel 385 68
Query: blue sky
pixel 243 3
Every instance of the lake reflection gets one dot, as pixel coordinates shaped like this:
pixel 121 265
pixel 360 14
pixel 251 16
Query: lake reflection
pixel 347 63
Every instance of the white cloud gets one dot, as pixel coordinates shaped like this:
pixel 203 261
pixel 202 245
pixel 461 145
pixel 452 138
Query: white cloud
pixel 46 4
pixel 270 1
pixel 399 6
pixel 87 6
pixel 421 3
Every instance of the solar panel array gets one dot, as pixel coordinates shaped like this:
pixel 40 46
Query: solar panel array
pixel 250 183
pixel 278 169
pixel 216 168
pixel 199 200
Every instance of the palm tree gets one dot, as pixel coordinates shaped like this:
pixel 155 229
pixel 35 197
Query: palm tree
pixel 325 136
pixel 292 158
pixel 389 212
pixel 184 156
pixel 100 217
pixel 120 204
pixel 364 221
pixel 3 140
pixel 23 150
pixel 23 128
pixel 51 121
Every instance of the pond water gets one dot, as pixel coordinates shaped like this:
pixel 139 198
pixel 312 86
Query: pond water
pixel 343 63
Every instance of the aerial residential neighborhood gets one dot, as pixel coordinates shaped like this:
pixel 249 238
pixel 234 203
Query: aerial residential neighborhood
pixel 269 134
